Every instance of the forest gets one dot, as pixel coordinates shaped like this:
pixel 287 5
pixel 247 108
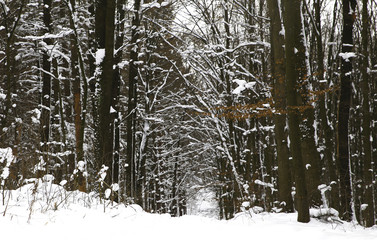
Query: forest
pixel 264 103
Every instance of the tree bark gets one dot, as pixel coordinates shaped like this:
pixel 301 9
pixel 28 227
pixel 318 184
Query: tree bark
pixel 328 132
pixel 368 213
pixel 105 15
pixel 310 156
pixel 115 125
pixel 293 26
pixel 132 103
pixel 46 85
pixel 278 78
pixel 344 103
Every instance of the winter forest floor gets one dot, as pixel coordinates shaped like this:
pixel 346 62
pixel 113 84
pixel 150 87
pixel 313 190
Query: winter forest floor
pixel 49 212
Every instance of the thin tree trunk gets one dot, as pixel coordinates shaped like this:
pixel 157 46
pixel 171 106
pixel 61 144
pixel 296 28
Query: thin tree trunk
pixel 343 154
pixel 331 162
pixel 76 92
pixel 368 213
pixel 80 100
pixel 115 125
pixel 46 86
pixel 132 102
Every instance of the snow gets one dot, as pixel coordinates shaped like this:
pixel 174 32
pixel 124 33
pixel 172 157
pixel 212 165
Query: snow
pixel 282 32
pixel 150 5
pixel 6 155
pixel 52 212
pixel 102 173
pixel 107 193
pixel 100 54
pixel 347 55
pixel 115 187
pixel 363 207
pixel 81 166
pixel 242 85
pixel 6 159
pixel 112 110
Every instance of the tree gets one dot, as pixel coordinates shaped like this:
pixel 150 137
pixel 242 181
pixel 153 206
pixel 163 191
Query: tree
pixel 344 103
pixel 132 101
pixel 368 218
pixel 324 99
pixel 278 76
pixel 78 71
pixel 105 27
pixel 10 23
pixel 203 100
pixel 46 83
pixel 293 26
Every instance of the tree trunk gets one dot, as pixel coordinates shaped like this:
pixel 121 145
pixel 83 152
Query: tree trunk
pixel 344 104
pixel 115 117
pixel 310 156
pixel 278 78
pixel 329 133
pixel 293 26
pixel 46 87
pixel 368 213
pixel 76 100
pixel 132 103
pixel 105 17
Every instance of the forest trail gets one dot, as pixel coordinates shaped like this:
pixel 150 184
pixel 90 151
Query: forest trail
pixel 77 222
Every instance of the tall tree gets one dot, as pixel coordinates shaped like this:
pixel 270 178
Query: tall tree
pixel 368 213
pixel 344 104
pixel 116 114
pixel 323 100
pixel 278 76
pixel 46 82
pixel 10 22
pixel 105 27
pixel 78 72
pixel 132 101
pixel 293 27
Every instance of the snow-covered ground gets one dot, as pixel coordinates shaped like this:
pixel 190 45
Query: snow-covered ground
pixel 52 213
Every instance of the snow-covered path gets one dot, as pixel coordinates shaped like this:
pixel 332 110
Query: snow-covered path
pixel 125 223
pixel 57 214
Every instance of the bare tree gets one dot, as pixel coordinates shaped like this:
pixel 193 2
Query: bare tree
pixel 293 26
pixel 344 104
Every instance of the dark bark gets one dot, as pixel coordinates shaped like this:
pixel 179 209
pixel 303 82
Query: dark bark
pixel 79 183
pixel 293 27
pixel 132 102
pixel 57 133
pixel 115 124
pixel 46 85
pixel 328 132
pixel 76 92
pixel 105 18
pixel 278 78
pixel 368 213
pixel 324 130
pixel 343 155
pixel 310 156
pixel 80 98
pixel 11 25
